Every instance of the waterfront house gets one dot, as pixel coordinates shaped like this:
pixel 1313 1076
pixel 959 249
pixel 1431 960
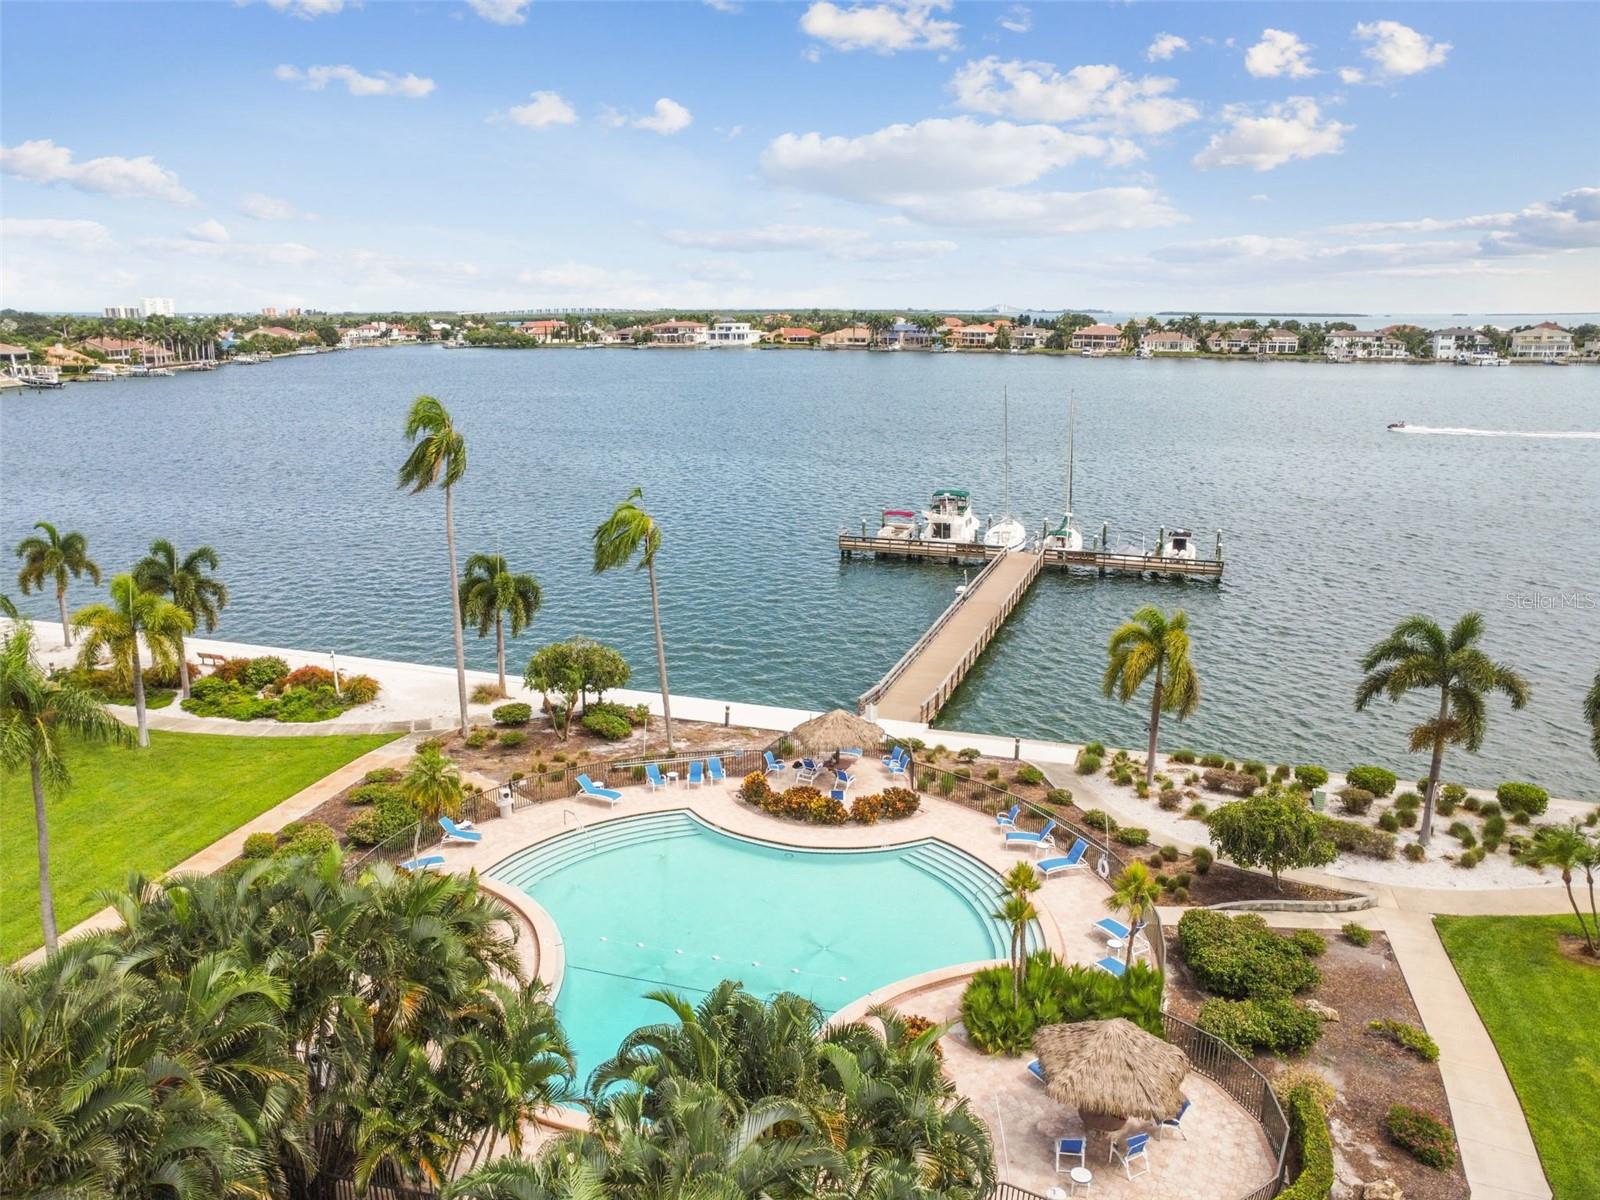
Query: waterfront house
pixel 1545 340
pixel 1448 344
pixel 547 330
pixel 1030 337
pixel 59 356
pixel 120 350
pixel 1346 344
pixel 952 322
pixel 1102 338
pixel 370 334
pixel 15 356
pixel 1279 341
pixel 794 335
pixel 1167 343
pixel 679 333
pixel 908 335
pixel 732 333
pixel 1233 341
pixel 621 337
pixel 288 335
pixel 1591 348
pixel 973 337
pixel 851 337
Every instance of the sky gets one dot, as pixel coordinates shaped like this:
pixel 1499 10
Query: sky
pixel 507 154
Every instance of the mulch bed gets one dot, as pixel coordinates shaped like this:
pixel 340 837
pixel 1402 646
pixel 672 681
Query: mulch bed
pixel 1370 1071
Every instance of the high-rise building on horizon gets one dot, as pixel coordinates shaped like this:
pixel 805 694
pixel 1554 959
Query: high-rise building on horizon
pixel 122 312
pixel 158 306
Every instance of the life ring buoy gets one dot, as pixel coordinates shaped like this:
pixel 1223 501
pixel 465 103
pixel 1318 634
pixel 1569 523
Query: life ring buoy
pixel 1103 867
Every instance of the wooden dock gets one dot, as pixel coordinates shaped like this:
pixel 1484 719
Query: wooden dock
pixel 917 686
pixel 1101 562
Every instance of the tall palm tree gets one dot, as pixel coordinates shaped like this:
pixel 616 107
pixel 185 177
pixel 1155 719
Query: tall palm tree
pixel 630 531
pixel 1591 714
pixel 116 629
pixel 1419 655
pixel 432 787
pixel 185 581
pixel 439 457
pixel 1134 892
pixel 1153 643
pixel 491 594
pixel 55 556
pixel 1017 912
pixel 35 712
pixel 1567 847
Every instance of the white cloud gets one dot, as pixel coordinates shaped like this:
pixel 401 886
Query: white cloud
pixel 964 173
pixel 1279 53
pixel 717 270
pixel 844 244
pixel 1569 222
pixel 543 110
pixel 267 208
pixel 211 230
pixel 725 6
pixel 78 235
pixel 1165 46
pixel 1099 96
pixel 1352 75
pixel 42 161
pixel 1294 129
pixel 307 9
pixel 669 117
pixel 501 12
pixel 1260 198
pixel 1017 19
pixel 883 28
pixel 384 83
pixel 1397 50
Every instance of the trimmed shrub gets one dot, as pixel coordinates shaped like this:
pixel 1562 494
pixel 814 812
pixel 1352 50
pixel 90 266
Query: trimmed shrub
pixel 1415 852
pixel 1377 780
pixel 1098 821
pixel 1471 858
pixel 1123 776
pixel 1489 808
pixel 899 803
pixel 1494 827
pixel 1029 775
pixel 1523 798
pixel 510 739
pixel 373 793
pixel 755 788
pixel 805 804
pixel 1236 783
pixel 1355 801
pixel 1095 748
pixel 1180 894
pixel 1422 1135
pixel 1170 853
pixel 1408 800
pixel 1060 797
pixel 1131 836
pixel 1170 800
pixel 1309 942
pixel 360 689
pixel 1240 958
pixel 1309 776
pixel 259 845
pixel 264 671
pixel 1462 832
pixel 1088 764
pixel 1405 817
pixel 311 838
pixel 865 810
pixel 1356 933
pixel 380 822
pixel 1202 859
pixel 1405 1034
pixel 1355 837
pixel 1216 761
pixel 515 713
pixel 1197 811
pixel 383 775
pixel 968 754
pixel 1308 1125
pixel 607 725
pixel 1279 1026
pixel 1183 756
pixel 992 774
pixel 1389 822
pixel 478 739
pixel 1472 804
pixel 1051 993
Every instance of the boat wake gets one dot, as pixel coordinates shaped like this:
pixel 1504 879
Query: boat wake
pixel 1495 433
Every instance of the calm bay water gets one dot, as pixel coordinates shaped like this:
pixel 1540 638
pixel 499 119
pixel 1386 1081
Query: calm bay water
pixel 753 461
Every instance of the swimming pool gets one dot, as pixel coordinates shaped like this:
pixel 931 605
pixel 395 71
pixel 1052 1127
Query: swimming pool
pixel 663 900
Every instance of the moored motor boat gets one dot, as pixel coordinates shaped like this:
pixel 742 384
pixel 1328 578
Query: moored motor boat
pixel 949 518
pixel 899 524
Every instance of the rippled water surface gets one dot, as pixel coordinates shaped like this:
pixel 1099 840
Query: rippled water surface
pixel 753 461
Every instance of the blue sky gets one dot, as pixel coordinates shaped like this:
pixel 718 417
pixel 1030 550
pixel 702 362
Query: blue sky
pixel 496 153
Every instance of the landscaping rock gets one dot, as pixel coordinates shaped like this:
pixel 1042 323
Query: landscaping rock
pixel 1326 1013
pixel 1382 1189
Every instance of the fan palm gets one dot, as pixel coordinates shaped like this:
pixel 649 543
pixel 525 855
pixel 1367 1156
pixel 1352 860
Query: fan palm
pixel 55 557
pixel 1153 643
pixel 35 713
pixel 1419 655
pixel 185 581
pixel 1591 714
pixel 439 457
pixel 491 595
pixel 627 532
pixel 116 628
pixel 1135 893
pixel 432 787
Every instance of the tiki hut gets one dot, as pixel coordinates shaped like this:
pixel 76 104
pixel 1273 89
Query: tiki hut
pixel 836 730
pixel 1111 1070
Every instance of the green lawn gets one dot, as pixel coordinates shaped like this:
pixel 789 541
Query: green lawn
pixel 1540 1009
pixel 145 810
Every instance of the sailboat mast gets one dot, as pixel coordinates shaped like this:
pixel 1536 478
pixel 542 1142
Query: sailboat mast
pixel 1072 417
pixel 1005 443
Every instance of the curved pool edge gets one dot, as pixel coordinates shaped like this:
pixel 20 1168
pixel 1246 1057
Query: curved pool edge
pixel 548 949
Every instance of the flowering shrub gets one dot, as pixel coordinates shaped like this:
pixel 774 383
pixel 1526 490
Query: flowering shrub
pixel 755 789
pixel 865 810
pixel 805 804
pixel 232 670
pixel 360 689
pixel 307 676
pixel 899 803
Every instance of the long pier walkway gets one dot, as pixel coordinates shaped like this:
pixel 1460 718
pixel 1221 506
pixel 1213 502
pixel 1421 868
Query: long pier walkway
pixel 917 686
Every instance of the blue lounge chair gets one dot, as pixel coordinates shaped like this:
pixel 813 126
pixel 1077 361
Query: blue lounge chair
pixel 853 751
pixel 1077 1148
pixel 1175 1121
pixel 807 771
pixel 838 794
pixel 1112 927
pixel 653 777
pixel 901 766
pixel 590 788
pixel 1036 1070
pixel 697 773
pixel 714 769
pixel 426 863
pixel 1020 839
pixel 1112 966
pixel 463 832
pixel 1008 819
pixel 845 779
pixel 774 767
pixel 1072 860
pixel 1135 1149
pixel 894 756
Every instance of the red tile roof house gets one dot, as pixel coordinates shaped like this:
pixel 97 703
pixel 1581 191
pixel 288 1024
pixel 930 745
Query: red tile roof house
pixel 545 331
pixel 794 335
pixel 120 351
pixel 973 337
pixel 1097 337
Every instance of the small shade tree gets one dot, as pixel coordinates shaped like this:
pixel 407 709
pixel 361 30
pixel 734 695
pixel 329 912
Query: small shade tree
pixel 432 787
pixel 1275 830
pixel 1135 894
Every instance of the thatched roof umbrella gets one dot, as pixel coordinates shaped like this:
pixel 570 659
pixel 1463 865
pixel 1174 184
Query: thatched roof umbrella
pixel 1111 1069
pixel 836 730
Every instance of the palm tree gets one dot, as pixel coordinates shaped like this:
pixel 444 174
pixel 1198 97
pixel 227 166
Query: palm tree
pixel 626 532
pixel 1419 655
pixel 1134 892
pixel 1017 912
pixel 1566 847
pixel 432 787
pixel 185 581
pixel 116 629
pixel 1591 714
pixel 439 456
pixel 1153 642
pixel 55 556
pixel 490 594
pixel 34 714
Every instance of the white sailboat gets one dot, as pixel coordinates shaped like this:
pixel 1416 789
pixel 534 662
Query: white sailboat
pixel 1007 531
pixel 1066 535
